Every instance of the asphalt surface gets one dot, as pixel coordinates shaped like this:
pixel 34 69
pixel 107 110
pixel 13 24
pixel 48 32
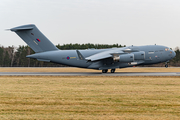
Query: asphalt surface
pixel 89 74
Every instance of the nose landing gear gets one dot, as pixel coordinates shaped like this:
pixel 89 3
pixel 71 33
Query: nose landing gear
pixel 166 65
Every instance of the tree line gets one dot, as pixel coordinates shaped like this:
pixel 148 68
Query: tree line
pixel 176 60
pixel 16 56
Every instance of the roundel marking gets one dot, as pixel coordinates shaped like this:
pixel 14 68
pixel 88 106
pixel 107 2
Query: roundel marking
pixel 38 40
pixel 67 57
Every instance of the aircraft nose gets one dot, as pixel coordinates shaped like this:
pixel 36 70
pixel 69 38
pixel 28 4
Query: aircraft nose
pixel 174 54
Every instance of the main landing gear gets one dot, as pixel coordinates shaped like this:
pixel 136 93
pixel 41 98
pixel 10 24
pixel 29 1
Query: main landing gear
pixel 113 70
pixel 106 70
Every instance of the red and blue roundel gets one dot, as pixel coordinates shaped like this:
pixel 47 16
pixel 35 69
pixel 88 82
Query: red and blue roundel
pixel 67 57
pixel 38 40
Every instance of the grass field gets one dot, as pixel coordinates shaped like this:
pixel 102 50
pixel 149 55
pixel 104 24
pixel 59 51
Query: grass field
pixel 71 69
pixel 52 97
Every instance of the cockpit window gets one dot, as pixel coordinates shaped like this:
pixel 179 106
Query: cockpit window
pixel 166 49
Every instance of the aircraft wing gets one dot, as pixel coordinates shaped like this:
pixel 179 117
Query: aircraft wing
pixel 104 55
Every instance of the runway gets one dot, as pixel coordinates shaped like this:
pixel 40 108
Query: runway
pixel 89 74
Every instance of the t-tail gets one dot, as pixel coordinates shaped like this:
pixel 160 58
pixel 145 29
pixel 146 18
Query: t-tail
pixel 34 38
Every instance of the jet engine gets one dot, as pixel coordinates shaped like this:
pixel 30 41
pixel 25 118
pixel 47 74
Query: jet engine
pixel 124 58
pixel 139 55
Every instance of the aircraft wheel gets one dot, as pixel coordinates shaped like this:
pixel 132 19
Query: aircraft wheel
pixel 112 70
pixel 166 65
pixel 104 71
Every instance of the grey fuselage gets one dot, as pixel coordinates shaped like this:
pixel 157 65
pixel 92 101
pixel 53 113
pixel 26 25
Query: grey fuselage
pixel 153 54
pixel 100 59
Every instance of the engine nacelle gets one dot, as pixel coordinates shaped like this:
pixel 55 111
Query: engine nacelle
pixel 124 58
pixel 116 58
pixel 139 55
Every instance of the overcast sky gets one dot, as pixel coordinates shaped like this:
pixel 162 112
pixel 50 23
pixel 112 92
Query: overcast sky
pixel 126 22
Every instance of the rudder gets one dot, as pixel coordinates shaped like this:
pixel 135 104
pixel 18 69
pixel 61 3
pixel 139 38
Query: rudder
pixel 34 38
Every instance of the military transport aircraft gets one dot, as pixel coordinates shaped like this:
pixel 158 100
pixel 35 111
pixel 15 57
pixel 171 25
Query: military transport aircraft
pixel 100 59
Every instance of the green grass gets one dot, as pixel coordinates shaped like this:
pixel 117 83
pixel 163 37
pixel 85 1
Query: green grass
pixel 126 98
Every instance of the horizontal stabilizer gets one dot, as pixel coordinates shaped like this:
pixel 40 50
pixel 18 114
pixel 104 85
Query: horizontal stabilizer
pixel 43 60
pixel 24 27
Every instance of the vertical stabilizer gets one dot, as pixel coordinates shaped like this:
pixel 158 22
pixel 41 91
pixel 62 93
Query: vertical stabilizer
pixel 34 38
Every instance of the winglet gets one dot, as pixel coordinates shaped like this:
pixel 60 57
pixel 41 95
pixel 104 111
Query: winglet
pixel 81 57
